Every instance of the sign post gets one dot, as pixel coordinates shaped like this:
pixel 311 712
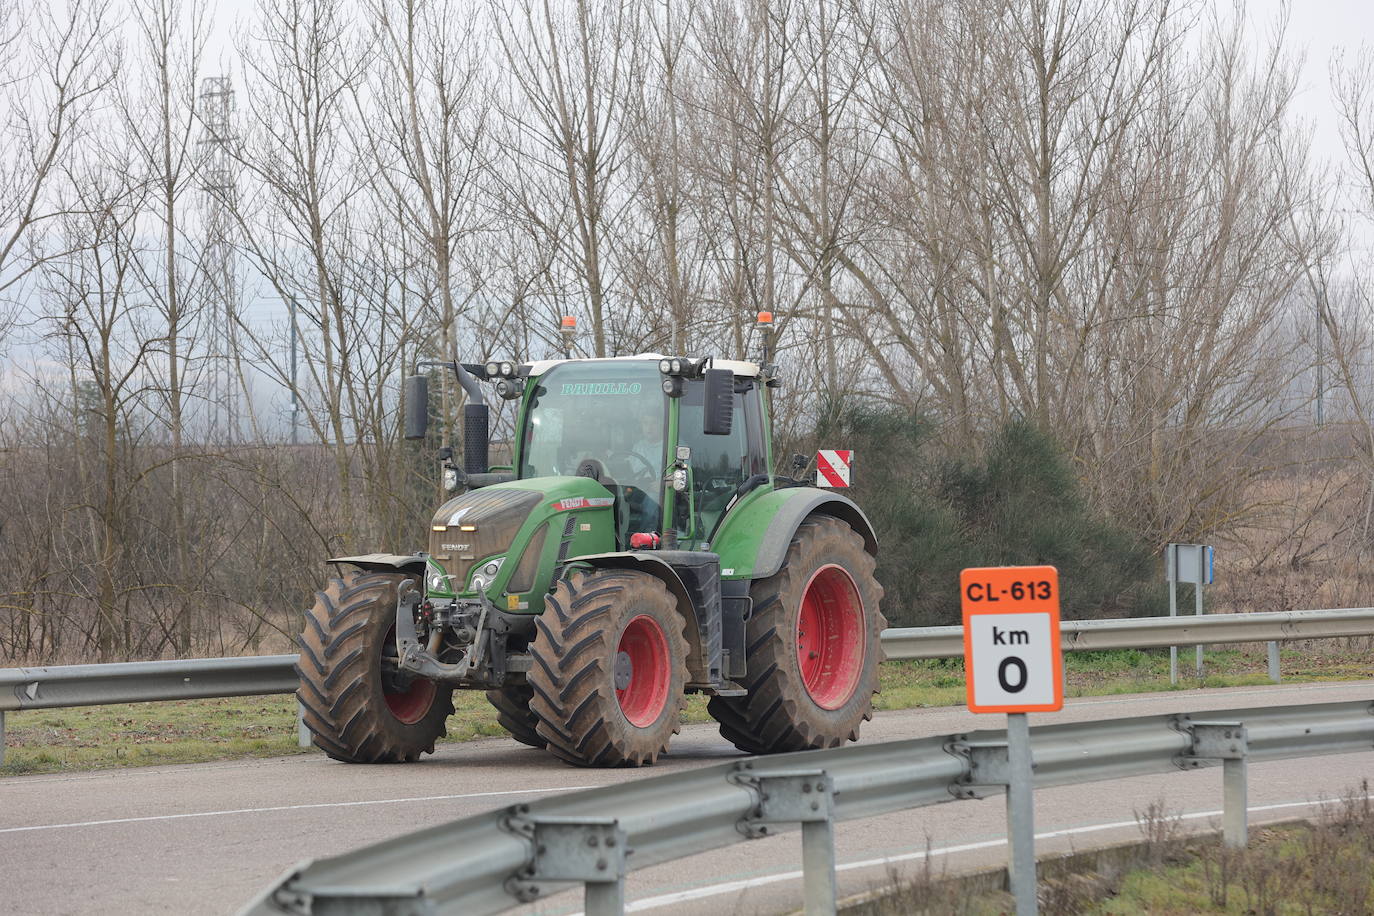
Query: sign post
pixel 1186 563
pixel 1013 664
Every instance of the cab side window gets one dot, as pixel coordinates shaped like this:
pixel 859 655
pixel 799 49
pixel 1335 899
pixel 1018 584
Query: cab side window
pixel 719 463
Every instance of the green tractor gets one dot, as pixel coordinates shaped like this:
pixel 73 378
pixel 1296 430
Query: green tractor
pixel 637 549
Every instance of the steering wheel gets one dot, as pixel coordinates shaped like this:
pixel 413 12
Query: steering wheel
pixel 650 472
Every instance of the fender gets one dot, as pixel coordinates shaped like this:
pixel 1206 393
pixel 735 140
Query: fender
pixel 647 562
pixel 384 562
pixel 777 537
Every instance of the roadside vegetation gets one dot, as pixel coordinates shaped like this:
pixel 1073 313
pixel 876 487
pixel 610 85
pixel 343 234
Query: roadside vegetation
pixel 1322 866
pixel 1297 868
pixel 192 731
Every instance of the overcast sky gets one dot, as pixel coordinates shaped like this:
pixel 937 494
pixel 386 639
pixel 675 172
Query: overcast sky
pixel 1321 28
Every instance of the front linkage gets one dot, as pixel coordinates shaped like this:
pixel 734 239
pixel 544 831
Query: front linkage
pixel 474 626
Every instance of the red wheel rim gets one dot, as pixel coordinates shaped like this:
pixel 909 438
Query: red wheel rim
pixel 410 703
pixel 643 671
pixel 831 637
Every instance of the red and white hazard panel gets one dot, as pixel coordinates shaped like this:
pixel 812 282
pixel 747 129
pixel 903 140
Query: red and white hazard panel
pixel 832 467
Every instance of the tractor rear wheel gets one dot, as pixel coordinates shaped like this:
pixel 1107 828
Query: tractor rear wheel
pixel 814 646
pixel 610 664
pixel 512 704
pixel 357 706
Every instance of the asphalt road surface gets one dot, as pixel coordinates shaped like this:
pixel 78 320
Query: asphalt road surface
pixel 204 838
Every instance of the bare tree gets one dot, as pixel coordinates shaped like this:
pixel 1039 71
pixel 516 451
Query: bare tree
pixel 427 149
pixel 161 92
pixel 301 68
pixel 101 325
pixel 54 68
pixel 568 68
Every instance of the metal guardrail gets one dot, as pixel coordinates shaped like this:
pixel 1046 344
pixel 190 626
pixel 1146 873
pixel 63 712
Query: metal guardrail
pixel 139 682
pixel 499 859
pixel 1154 632
pixel 199 678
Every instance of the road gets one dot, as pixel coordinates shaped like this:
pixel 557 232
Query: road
pixel 203 838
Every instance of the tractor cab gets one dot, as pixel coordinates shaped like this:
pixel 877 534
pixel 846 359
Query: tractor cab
pixel 641 430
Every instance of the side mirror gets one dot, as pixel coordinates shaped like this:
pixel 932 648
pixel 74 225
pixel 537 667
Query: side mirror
pixel 416 394
pixel 718 409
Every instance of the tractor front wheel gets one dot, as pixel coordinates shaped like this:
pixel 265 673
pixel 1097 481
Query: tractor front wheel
pixel 610 664
pixel 814 644
pixel 512 705
pixel 358 707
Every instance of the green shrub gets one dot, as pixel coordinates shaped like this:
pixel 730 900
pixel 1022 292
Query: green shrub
pixel 1018 505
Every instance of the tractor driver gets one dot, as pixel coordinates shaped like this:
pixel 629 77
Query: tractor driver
pixel 639 465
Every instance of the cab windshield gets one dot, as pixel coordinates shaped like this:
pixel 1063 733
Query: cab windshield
pixel 608 415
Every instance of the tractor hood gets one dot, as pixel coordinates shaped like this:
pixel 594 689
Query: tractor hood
pixel 499 520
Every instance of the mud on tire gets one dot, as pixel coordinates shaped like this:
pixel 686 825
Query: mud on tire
pixel 513 713
pixel 812 671
pixel 357 711
pixel 609 666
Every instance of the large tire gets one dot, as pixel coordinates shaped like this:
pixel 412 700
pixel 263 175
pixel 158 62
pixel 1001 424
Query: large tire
pixel 512 704
pixel 609 667
pixel 356 711
pixel 814 645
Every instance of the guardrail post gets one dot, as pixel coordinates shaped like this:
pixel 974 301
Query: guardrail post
pixel 1227 742
pixel 1274 661
pixel 805 797
pixel 302 730
pixel 1197 599
pixel 1007 763
pixel 587 849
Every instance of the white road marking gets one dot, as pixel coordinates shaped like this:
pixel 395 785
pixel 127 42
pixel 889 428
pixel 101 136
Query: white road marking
pixel 347 804
pixel 1205 691
pixel 730 887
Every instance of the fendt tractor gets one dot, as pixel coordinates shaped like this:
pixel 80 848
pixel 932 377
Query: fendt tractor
pixel 637 549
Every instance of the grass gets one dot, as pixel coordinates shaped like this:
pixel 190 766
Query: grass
pixel 1324 866
pixel 191 731
pixel 1298 868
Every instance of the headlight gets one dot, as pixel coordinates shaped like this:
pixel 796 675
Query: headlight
pixel 486 574
pixel 679 480
pixel 665 366
pixel 450 479
pixel 437 583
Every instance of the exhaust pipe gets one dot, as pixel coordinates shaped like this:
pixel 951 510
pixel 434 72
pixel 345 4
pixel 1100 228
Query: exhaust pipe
pixel 476 417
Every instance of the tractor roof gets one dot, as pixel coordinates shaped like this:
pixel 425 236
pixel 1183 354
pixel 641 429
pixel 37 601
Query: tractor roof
pixel 739 367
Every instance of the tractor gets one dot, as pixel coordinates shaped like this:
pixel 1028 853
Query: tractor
pixel 638 548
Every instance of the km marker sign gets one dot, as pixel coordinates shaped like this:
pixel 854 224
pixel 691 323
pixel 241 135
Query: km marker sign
pixel 1012 664
pixel 1011 639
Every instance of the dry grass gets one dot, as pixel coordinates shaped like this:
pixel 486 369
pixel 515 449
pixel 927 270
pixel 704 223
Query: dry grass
pixel 1322 866
pixel 1307 543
